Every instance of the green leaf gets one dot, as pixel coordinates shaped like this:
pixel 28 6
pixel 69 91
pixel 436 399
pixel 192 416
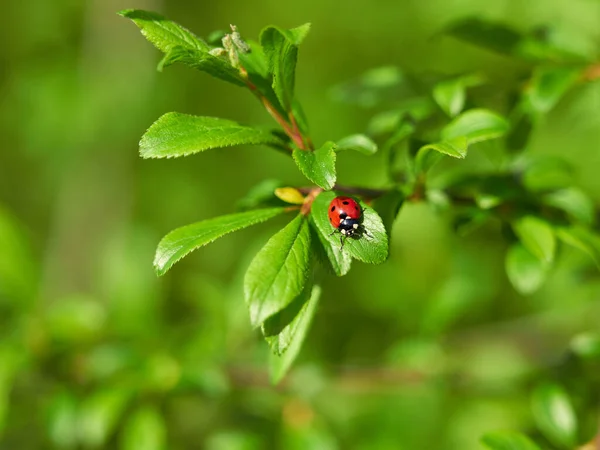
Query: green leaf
pixel 476 125
pixel 526 272
pixel 278 273
pixel 370 250
pixel 182 241
pixel 204 61
pixel 290 339
pixel 358 142
pixel 537 236
pixel 574 202
pixel 554 415
pixel 176 134
pixel 319 165
pixel 281 50
pixel 145 428
pixel 548 85
pixel 508 440
pixel 99 415
pixel 451 94
pixel 492 36
pixel 181 45
pixel 428 155
pixel 582 239
pixel 586 345
pixel 163 33
pixel 339 262
pixel 63 429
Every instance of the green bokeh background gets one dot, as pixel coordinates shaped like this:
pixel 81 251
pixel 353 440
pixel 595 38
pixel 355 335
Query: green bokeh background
pixel 429 350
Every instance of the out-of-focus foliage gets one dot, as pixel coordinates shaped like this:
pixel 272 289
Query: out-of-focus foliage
pixel 460 340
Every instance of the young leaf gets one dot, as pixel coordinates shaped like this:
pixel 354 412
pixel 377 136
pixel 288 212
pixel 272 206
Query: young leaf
pixel 548 85
pixel 537 236
pixel 553 412
pixel 358 142
pixel 292 337
pixel 100 415
pixel 574 202
pixel 163 33
pixel 340 262
pixel 489 35
pixel 451 94
pixel 281 50
pixel 204 61
pixel 586 345
pixel 181 45
pixel 582 239
pixel 508 440
pixel 289 195
pixel 278 273
pixel 526 272
pixel 319 165
pixel 261 195
pixel 176 134
pixel 182 241
pixel 476 125
pixel 428 155
pixel 144 428
pixel 372 250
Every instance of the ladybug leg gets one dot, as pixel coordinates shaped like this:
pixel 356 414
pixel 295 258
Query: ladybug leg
pixel 342 242
pixel 332 233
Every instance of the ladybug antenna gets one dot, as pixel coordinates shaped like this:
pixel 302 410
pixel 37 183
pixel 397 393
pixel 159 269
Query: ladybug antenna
pixel 367 234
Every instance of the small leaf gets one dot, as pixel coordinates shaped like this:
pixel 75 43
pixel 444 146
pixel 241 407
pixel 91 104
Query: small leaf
pixel 574 202
pixel 586 345
pixel 457 147
pixel 144 429
pixel 476 125
pixel 489 35
pixel 319 165
pixel 451 94
pixel 63 429
pixel 340 262
pixel 582 239
pixel 526 272
pixel 279 271
pixel 370 250
pixel 163 33
pixel 358 142
pixel 176 134
pixel 181 45
pixel 508 440
pixel 281 50
pixel 547 173
pixel 429 155
pixel 99 416
pixel 182 241
pixel 537 236
pixel 204 61
pixel 548 85
pixel 292 337
pixel 554 415
pixel 290 195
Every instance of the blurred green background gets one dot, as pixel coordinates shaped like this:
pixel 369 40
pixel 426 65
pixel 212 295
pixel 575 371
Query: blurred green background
pixel 429 350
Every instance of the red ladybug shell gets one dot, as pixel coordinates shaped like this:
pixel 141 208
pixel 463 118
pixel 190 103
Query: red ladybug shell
pixel 341 208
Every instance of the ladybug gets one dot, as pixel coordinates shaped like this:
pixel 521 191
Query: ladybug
pixel 345 215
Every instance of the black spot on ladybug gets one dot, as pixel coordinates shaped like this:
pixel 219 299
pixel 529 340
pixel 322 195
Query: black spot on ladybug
pixel 333 208
pixel 343 215
pixel 345 203
pixel 330 219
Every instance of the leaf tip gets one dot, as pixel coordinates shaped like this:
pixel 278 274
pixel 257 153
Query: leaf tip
pixel 126 12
